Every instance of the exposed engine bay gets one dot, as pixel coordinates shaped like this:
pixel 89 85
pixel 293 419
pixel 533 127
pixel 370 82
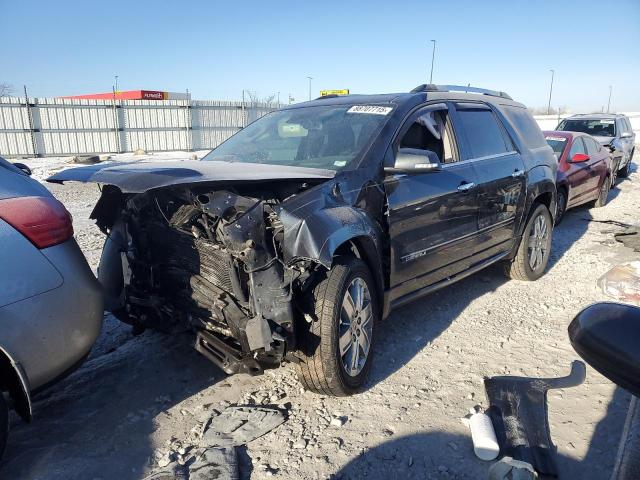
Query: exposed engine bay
pixel 211 261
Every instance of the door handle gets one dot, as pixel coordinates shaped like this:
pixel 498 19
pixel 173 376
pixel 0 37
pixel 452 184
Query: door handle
pixel 517 173
pixel 465 187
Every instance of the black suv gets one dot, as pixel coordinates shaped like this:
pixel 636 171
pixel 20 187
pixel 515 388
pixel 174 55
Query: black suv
pixel 290 240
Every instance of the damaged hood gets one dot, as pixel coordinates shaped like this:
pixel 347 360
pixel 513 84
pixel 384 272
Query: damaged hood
pixel 141 176
pixel 603 140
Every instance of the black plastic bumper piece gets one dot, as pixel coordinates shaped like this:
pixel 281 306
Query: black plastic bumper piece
pixel 229 359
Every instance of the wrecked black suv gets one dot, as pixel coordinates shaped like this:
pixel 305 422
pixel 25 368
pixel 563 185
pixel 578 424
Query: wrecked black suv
pixel 293 238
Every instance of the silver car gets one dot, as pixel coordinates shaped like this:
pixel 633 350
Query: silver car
pixel 51 304
pixel 611 130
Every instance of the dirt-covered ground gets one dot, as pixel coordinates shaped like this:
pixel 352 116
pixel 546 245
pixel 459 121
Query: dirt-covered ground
pixel 140 401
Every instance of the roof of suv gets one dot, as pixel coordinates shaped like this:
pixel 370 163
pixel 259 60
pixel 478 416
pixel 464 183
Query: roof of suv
pixel 595 116
pixel 414 97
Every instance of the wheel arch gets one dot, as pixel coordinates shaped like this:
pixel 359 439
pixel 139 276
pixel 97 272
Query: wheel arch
pixel 364 248
pixel 14 380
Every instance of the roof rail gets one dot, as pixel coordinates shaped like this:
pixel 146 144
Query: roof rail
pixel 430 87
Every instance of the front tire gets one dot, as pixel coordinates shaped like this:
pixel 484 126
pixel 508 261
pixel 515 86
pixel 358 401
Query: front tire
pixel 561 206
pixel 4 423
pixel 337 351
pixel 534 250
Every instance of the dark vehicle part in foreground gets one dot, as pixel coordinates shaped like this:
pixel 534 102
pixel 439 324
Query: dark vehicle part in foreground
pixel 586 170
pixel 293 238
pixel 606 335
pixel 518 412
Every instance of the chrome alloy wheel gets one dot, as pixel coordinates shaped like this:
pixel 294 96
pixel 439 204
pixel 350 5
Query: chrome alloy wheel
pixel 538 242
pixel 356 327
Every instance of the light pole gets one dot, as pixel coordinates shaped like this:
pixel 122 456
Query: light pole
pixel 310 78
pixel 433 56
pixel 116 83
pixel 609 102
pixel 550 91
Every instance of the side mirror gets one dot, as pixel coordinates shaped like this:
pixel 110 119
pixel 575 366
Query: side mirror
pixel 23 167
pixel 625 135
pixel 580 157
pixel 414 160
pixel 607 336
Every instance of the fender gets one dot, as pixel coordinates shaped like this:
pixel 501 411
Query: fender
pixel 20 393
pixel 542 180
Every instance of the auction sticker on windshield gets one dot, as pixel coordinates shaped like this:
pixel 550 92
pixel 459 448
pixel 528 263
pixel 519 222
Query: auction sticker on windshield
pixel 371 109
pixel 557 139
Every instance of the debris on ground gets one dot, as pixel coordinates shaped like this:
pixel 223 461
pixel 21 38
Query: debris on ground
pixel 86 159
pixel 216 458
pixel 630 237
pixel 622 282
pixel 509 469
pixel 139 151
pixel 239 425
pixel 518 411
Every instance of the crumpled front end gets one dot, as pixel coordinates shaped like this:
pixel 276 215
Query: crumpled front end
pixel 207 260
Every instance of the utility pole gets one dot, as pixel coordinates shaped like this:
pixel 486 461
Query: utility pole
pixel 310 78
pixel 116 83
pixel 433 56
pixel 550 91
pixel 609 102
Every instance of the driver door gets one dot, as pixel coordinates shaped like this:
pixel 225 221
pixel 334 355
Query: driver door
pixel 432 216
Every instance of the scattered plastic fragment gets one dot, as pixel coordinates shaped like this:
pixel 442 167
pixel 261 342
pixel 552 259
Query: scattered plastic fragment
pixel 509 469
pixel 622 282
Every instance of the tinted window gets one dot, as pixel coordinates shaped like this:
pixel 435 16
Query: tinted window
pixel 577 147
pixel 483 132
pixel 524 123
pixel 598 128
pixel 592 146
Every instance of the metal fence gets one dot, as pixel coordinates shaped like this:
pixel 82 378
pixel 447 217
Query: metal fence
pixel 59 126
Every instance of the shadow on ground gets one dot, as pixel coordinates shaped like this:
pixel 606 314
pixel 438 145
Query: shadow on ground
pixel 109 408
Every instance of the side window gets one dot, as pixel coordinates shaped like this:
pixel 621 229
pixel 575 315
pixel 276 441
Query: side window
pixel 431 130
pixel 576 147
pixel 628 124
pixel 592 146
pixel 483 133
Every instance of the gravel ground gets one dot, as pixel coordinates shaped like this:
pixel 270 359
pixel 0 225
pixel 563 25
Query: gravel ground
pixel 140 401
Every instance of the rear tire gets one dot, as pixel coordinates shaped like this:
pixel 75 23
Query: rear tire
pixel 4 423
pixel 601 201
pixel 345 313
pixel 534 250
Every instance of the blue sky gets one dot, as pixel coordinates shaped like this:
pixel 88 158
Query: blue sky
pixel 216 49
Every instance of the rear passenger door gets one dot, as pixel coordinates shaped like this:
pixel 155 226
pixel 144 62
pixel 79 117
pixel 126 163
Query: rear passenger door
pixel 597 168
pixel 500 173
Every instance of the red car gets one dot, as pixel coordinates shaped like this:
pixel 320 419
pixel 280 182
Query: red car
pixel 584 170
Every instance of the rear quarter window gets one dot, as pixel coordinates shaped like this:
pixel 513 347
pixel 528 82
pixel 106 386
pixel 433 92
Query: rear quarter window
pixel 521 120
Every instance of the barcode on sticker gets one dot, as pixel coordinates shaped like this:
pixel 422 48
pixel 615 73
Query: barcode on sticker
pixel 371 109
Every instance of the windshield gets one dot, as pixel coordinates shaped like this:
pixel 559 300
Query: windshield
pixel 557 143
pixel 329 137
pixel 597 128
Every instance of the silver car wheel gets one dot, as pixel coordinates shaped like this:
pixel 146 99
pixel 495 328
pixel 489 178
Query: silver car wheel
pixel 356 327
pixel 538 242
